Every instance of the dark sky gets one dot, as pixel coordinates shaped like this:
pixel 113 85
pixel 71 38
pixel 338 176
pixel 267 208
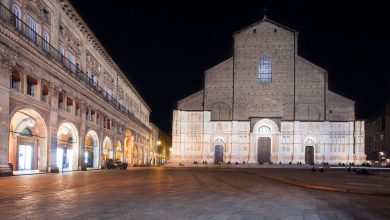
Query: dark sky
pixel 165 47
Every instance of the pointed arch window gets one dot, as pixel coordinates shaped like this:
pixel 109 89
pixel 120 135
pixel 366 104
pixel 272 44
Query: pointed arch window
pixel 265 70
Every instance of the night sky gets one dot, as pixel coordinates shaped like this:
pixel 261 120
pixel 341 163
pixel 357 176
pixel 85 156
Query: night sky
pixel 164 48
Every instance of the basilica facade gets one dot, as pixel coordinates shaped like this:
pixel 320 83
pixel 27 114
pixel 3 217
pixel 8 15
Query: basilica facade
pixel 266 104
pixel 65 104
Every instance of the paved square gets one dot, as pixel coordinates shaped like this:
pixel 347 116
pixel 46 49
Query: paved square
pixel 176 193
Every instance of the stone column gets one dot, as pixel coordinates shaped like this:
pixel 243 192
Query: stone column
pixel 82 145
pixel 52 134
pixel 82 134
pixel 101 147
pixel 5 75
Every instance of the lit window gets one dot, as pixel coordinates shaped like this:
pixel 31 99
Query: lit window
pixel 44 93
pixel 46 41
pixel 265 70
pixel 17 16
pixel 31 86
pixel 46 14
pixel 15 80
pixel 62 53
pixel 32 28
pixel 71 60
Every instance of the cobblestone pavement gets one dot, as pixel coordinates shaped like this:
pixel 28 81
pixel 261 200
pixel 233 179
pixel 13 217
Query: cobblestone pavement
pixel 176 193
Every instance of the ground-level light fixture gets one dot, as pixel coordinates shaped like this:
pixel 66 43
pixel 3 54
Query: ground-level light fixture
pixel 31 123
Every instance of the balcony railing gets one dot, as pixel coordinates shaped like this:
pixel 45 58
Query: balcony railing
pixel 6 16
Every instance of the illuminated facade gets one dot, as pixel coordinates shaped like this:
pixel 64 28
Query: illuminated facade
pixel 266 104
pixel 65 104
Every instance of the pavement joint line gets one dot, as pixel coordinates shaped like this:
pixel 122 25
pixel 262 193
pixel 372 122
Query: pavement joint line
pixel 323 188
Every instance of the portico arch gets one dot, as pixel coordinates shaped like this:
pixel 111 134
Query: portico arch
pixel 128 146
pixel 92 149
pixel 118 151
pixel 108 152
pixel 28 141
pixel 265 133
pixel 309 145
pixel 218 149
pixel 67 147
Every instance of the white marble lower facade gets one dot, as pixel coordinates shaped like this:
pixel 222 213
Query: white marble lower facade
pixel 196 138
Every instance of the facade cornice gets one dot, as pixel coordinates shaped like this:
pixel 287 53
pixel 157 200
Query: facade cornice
pixel 72 14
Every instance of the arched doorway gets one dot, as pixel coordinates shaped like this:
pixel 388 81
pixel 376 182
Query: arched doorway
pixel 108 152
pixel 67 147
pixel 135 155
pixel 91 156
pixel 118 151
pixel 264 144
pixel 309 144
pixel 264 150
pixel 128 146
pixel 28 141
pixel 218 150
pixel 309 155
pixel 140 156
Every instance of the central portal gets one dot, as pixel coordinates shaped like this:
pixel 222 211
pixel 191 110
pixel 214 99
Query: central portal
pixel 218 154
pixel 264 150
pixel 309 155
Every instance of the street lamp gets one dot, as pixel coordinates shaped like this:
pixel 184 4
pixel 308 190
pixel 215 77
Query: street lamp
pixel 380 156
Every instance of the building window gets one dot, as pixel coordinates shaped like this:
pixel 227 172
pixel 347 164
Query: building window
pixel 44 94
pixel 17 16
pixel 69 104
pixel 62 53
pixel 31 86
pixel 32 28
pixel 77 112
pixel 61 30
pixel 71 61
pixel 15 80
pixel 46 14
pixel 46 41
pixel 108 124
pixel 381 137
pixel 87 114
pixel 92 115
pixel 61 101
pixel 265 70
pixel 78 70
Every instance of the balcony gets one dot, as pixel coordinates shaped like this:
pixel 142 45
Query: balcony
pixel 7 17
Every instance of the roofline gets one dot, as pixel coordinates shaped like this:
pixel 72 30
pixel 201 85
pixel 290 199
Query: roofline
pixel 190 96
pixel 219 64
pixel 101 49
pixel 268 20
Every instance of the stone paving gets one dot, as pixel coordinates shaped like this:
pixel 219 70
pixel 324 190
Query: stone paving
pixel 176 193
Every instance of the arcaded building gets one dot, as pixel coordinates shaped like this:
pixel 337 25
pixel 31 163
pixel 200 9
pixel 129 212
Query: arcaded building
pixel 266 104
pixel 377 137
pixel 65 104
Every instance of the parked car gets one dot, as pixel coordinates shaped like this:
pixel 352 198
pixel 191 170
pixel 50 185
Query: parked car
pixel 111 164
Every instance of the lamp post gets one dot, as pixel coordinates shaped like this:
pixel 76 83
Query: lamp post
pixel 380 154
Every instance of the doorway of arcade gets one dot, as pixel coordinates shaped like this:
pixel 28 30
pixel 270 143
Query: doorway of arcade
pixel 67 147
pixel 27 150
pixel 91 154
